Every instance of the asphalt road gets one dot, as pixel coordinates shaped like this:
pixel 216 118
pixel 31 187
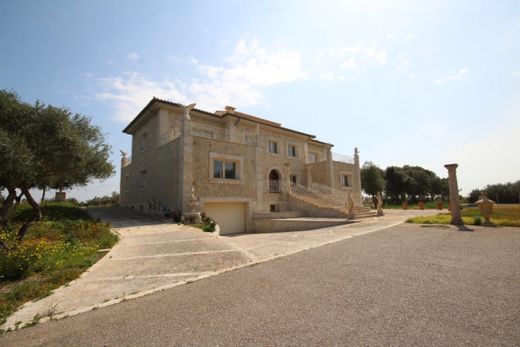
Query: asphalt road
pixel 408 285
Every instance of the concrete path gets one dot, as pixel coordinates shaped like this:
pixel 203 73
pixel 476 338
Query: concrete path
pixel 151 255
pixel 154 255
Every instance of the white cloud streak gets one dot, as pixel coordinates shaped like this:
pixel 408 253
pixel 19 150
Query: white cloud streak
pixel 337 64
pixel 133 56
pixel 459 75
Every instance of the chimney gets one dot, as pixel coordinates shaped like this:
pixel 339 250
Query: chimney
pixel 230 109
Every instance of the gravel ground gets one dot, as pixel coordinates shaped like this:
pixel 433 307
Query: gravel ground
pixel 408 285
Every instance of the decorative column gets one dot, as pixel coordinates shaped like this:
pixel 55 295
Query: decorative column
pixel 123 188
pixel 186 158
pixel 356 185
pixel 330 168
pixel 309 176
pixel 379 205
pixel 456 218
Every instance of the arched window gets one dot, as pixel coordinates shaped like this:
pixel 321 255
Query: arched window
pixel 275 185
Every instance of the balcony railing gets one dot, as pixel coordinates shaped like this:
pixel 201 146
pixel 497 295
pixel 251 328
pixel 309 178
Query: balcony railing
pixel 342 158
pixel 203 130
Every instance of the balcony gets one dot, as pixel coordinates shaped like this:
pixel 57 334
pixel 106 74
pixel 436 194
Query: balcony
pixel 342 158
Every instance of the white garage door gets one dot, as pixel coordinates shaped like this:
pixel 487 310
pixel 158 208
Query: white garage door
pixel 230 216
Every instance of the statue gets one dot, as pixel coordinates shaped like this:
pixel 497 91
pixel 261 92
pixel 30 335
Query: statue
pixel 350 205
pixel 192 215
pixel 379 205
pixel 193 202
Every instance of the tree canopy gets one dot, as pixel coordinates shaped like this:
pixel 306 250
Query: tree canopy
pixel 43 146
pixel 508 193
pixel 372 178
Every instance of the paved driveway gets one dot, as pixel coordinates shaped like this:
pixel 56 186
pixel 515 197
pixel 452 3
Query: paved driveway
pixel 155 254
pixel 406 286
pixel 152 255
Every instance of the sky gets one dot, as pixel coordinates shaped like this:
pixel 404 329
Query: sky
pixel 407 82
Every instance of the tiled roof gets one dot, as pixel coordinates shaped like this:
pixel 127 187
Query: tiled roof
pixel 220 114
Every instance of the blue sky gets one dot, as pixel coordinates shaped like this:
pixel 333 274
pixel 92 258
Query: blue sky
pixel 408 82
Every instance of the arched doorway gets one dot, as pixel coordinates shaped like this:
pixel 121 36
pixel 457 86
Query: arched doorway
pixel 275 181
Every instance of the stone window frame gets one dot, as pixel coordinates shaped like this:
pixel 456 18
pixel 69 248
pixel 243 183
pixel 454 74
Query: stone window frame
pixel 144 140
pixel 297 147
pixel 350 176
pixel 127 183
pixel 141 181
pixel 291 182
pixel 278 143
pixel 226 158
pixel 316 156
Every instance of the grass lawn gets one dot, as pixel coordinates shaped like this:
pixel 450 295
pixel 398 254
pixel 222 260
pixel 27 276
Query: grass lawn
pixel 54 252
pixel 427 205
pixel 503 215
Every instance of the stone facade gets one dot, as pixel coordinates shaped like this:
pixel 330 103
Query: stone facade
pixel 228 156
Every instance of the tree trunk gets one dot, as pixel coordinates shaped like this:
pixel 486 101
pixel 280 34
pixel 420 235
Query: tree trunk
pixel 37 215
pixel 8 203
pixel 18 198
pixel 43 196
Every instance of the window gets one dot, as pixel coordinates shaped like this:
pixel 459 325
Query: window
pixel 225 170
pixel 345 180
pixel 293 180
pixel 144 141
pixel 291 151
pixel 142 178
pixel 127 183
pixel 313 157
pixel 249 140
pixel 273 147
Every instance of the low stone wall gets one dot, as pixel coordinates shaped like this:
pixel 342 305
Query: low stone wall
pixel 281 225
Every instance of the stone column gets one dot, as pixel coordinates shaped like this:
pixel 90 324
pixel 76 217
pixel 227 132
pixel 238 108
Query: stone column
pixel 330 168
pixel 456 218
pixel 309 176
pixel 259 170
pixel 186 159
pixel 122 180
pixel 356 184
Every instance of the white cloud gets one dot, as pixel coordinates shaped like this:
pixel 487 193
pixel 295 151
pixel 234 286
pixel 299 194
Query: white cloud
pixel 516 73
pixel 349 59
pixel 451 78
pixel 240 81
pixel 133 56
pixel 130 92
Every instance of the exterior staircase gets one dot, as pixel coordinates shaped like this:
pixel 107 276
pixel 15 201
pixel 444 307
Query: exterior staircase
pixel 312 207
pixel 323 201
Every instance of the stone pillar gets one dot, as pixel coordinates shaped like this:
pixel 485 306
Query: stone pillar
pixel 261 177
pixel 456 218
pixel 330 168
pixel 186 159
pixel 123 182
pixel 309 176
pixel 305 152
pixel 356 184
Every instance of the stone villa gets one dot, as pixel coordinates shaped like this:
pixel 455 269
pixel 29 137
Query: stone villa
pixel 248 173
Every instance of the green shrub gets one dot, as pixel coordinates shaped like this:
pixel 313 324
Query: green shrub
pixel 477 220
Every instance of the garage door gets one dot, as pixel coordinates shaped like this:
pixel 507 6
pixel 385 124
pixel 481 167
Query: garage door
pixel 230 216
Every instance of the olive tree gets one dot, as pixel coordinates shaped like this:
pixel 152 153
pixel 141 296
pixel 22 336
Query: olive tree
pixel 43 146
